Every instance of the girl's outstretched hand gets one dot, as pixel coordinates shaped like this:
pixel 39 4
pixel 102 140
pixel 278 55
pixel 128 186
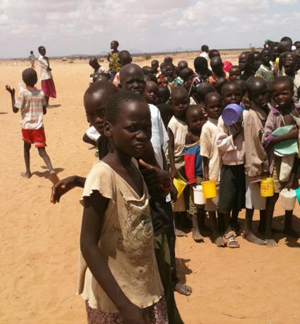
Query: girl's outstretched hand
pixel 61 188
pixel 133 315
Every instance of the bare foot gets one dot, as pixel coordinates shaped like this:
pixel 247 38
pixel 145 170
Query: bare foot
pixel 291 232
pixel 219 241
pixel 26 174
pixel 271 243
pixel 197 236
pixel 183 289
pixel 179 233
pixel 250 237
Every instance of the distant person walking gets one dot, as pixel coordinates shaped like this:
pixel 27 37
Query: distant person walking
pixel 113 59
pixel 47 82
pixel 204 51
pixel 31 59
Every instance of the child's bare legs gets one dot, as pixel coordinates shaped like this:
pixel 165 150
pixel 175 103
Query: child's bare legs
pixel 43 154
pixel 27 173
pixel 234 220
pixel 248 233
pixel 178 224
pixel 47 101
pixel 196 220
pixel 216 236
pixel 271 201
pixel 201 220
pixel 262 222
pixel 227 223
pixel 288 224
pixel 221 222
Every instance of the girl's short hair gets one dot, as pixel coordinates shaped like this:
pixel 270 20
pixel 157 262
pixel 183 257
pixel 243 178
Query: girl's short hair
pixel 117 101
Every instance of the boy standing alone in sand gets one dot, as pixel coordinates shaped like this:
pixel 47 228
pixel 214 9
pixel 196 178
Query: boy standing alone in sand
pixel 31 59
pixel 32 104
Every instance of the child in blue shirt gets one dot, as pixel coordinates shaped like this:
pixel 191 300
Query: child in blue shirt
pixel 195 119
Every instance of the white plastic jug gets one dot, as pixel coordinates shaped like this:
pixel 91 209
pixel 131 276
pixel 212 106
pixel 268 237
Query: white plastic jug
pixel 199 198
pixel 288 199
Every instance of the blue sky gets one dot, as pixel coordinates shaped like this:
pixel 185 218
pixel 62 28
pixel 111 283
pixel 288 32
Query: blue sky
pixel 87 26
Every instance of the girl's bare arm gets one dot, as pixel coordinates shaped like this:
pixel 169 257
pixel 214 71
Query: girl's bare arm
pixel 92 222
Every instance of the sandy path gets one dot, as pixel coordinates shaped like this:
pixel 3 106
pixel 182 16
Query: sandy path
pixel 39 241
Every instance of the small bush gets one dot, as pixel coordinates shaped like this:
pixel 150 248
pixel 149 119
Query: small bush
pixel 148 57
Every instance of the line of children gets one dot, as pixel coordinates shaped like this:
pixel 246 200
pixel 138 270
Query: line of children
pixel 218 142
pixel 116 229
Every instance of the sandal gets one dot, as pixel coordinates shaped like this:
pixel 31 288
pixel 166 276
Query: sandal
pixel 230 240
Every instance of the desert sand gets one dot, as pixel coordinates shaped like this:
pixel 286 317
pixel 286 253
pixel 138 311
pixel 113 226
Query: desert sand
pixel 39 241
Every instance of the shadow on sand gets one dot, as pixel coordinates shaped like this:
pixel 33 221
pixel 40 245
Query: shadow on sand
pixel 182 269
pixel 53 106
pixel 46 174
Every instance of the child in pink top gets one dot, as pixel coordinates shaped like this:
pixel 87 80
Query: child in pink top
pixel 230 141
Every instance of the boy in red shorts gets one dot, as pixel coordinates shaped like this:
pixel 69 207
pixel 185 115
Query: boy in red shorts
pixel 32 104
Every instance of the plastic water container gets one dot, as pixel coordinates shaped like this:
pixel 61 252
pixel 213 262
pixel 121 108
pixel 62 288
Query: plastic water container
pixel 209 189
pixel 232 113
pixel 288 199
pixel 267 187
pixel 199 198
pixel 179 185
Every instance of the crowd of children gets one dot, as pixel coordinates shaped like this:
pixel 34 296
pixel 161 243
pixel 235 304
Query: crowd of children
pixel 160 124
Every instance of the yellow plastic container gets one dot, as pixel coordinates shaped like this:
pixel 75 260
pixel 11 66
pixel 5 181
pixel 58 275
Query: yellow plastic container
pixel 209 189
pixel 179 185
pixel 267 187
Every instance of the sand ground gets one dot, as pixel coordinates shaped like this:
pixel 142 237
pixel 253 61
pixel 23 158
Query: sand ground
pixel 39 241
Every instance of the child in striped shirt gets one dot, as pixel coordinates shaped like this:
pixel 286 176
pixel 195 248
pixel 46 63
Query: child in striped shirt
pixel 31 101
